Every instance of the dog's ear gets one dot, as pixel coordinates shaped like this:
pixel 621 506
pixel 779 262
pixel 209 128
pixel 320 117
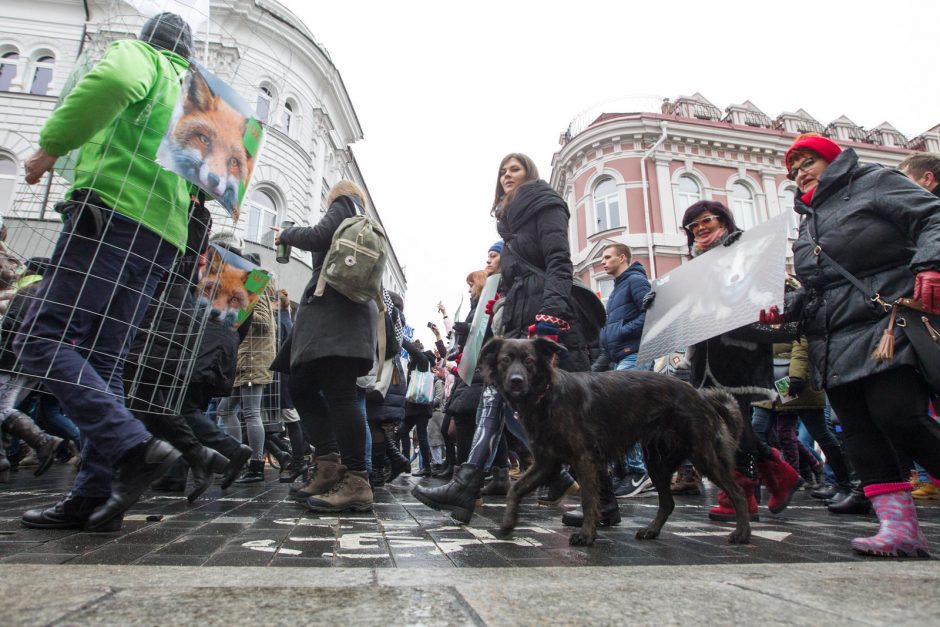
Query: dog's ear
pixel 200 97
pixel 547 348
pixel 487 359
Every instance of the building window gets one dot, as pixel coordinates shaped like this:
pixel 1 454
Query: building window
pixel 786 204
pixel 605 287
pixel 7 184
pixel 42 75
pixel 687 194
pixel 262 215
pixel 606 206
pixel 742 206
pixel 7 70
pixel 286 116
pixel 263 108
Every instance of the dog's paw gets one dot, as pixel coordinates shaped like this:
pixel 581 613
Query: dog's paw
pixel 503 531
pixel 647 533
pixel 740 536
pixel 580 538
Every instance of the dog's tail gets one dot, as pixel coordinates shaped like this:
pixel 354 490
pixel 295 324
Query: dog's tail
pixel 727 408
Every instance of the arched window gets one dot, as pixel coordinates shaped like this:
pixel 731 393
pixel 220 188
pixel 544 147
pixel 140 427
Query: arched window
pixel 786 205
pixel 287 115
pixel 689 193
pixel 7 70
pixel 262 215
pixel 742 206
pixel 605 286
pixel 42 76
pixel 7 183
pixel 606 206
pixel 263 108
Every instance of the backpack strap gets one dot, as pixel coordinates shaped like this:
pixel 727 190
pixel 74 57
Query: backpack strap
pixel 380 333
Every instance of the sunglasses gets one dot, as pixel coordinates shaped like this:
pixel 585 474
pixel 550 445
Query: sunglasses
pixel 691 227
pixel 803 167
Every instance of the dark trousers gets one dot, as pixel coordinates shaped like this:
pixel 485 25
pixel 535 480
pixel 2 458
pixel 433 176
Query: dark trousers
pixel 419 421
pixel 324 394
pixel 80 325
pixel 884 415
pixel 206 430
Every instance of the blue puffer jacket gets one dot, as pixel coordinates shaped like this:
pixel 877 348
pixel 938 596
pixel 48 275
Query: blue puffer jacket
pixel 625 314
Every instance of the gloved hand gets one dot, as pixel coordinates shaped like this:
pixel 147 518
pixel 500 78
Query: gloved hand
pixel 647 301
pixel 927 289
pixel 544 329
pixel 772 316
pixel 797 386
pixel 733 237
pixel 489 305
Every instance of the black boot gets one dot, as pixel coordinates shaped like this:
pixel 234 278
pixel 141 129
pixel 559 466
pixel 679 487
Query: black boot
pixel 296 468
pixel 71 512
pixel 46 446
pixel 204 466
pixel 255 472
pixel 559 488
pixel 377 478
pixel 235 463
pixel 397 462
pixel 855 503
pixel 445 472
pixel 610 509
pixel 135 471
pixel 457 496
pixel 174 480
pixel 499 484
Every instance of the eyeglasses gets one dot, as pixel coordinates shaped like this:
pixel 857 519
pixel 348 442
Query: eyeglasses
pixel 691 227
pixel 803 167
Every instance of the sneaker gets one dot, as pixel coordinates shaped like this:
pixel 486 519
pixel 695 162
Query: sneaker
pixel 925 491
pixel 633 485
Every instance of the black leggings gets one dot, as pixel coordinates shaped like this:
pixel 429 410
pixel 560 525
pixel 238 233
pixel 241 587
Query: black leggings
pixel 883 416
pixel 324 394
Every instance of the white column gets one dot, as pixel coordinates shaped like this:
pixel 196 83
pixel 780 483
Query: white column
pixel 770 191
pixel 667 206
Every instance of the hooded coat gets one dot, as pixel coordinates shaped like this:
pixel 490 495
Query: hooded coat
pixel 535 227
pixel 625 314
pixel 330 325
pixel 884 229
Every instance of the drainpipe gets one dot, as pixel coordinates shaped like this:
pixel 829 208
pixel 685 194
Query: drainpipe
pixel 646 198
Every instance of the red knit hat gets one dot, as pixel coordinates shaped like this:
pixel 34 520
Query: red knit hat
pixel 825 148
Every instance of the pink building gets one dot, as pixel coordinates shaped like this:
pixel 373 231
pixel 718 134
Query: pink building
pixel 628 177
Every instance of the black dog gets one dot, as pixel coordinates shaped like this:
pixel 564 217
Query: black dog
pixel 586 418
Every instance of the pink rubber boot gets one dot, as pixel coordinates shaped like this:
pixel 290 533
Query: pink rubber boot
pixel 899 534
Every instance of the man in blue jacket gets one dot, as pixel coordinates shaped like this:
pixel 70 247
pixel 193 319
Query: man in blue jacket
pixel 620 340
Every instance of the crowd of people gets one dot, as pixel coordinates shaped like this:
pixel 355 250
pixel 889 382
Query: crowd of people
pixel 78 326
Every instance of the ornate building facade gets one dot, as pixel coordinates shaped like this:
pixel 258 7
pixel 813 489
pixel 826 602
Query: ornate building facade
pixel 629 177
pixel 260 48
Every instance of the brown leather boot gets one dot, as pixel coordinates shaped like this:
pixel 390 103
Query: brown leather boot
pixel 687 482
pixel 325 474
pixel 46 446
pixel 351 493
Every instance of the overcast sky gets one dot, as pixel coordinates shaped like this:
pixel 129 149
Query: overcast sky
pixel 443 90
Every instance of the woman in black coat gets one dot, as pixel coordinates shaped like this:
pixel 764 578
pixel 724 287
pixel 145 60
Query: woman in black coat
pixel 333 342
pixel 884 230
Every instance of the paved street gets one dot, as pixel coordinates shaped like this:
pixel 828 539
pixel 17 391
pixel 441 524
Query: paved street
pixel 404 564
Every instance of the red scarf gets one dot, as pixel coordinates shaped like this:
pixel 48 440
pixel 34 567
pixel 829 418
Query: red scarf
pixel 704 243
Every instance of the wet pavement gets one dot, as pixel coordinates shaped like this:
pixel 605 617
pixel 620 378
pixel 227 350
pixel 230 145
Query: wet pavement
pixel 255 525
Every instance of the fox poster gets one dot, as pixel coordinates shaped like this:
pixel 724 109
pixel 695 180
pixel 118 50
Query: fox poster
pixel 229 286
pixel 213 139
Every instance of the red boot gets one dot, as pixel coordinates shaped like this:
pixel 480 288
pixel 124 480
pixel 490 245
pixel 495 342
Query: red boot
pixel 781 480
pixel 724 511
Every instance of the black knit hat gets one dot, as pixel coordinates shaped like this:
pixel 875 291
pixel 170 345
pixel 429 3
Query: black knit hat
pixel 694 210
pixel 170 32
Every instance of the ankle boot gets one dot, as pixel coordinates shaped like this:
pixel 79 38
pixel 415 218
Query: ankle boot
pixel 781 480
pixel 46 446
pixel 855 502
pixel 458 496
pixel 235 463
pixel 724 511
pixel 296 468
pixel 71 512
pixel 397 462
pixel 687 482
pixel 498 485
pixel 255 472
pixel 351 493
pixel 899 535
pixel 205 465
pixel 325 474
pixel 560 487
pixel 610 508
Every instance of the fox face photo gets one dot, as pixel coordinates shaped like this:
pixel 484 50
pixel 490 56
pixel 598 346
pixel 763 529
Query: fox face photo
pixel 229 287
pixel 208 142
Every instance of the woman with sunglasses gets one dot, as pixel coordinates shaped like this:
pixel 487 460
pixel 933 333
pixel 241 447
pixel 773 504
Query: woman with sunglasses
pixel 884 230
pixel 741 362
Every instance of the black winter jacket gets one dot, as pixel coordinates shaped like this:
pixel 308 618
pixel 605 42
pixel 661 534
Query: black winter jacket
pixel 881 227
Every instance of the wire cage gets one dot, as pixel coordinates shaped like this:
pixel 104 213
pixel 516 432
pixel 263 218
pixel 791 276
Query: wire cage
pixel 136 312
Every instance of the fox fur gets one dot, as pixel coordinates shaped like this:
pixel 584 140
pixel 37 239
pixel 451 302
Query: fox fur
pixel 222 290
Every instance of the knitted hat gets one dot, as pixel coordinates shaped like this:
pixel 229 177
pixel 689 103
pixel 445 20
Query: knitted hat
pixel 825 148
pixel 701 207
pixel 496 248
pixel 170 32
pixel 229 240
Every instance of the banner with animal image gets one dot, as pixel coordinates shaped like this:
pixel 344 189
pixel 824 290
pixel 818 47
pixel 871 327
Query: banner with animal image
pixel 229 286
pixel 213 139
pixel 716 292
pixel 481 320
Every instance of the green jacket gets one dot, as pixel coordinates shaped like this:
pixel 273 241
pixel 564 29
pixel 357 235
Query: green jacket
pixel 117 114
pixel 799 367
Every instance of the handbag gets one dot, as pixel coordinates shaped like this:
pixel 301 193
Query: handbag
pixel 587 307
pixel 420 389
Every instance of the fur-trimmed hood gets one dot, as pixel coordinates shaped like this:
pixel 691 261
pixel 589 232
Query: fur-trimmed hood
pixel 345 188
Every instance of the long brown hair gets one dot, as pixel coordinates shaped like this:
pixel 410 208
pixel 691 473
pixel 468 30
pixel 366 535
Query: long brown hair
pixel 531 174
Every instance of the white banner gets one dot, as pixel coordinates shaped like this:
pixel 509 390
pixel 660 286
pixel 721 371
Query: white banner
pixel 474 343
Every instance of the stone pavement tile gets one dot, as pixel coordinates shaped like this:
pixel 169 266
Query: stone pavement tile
pixel 116 554
pixel 156 534
pixel 38 558
pixel 80 543
pixel 241 557
pixel 162 559
pixel 193 545
pixel 301 562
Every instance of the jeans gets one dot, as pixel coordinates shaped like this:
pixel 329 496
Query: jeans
pixel 248 397
pixel 419 421
pixel 361 395
pixel 80 325
pixel 633 460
